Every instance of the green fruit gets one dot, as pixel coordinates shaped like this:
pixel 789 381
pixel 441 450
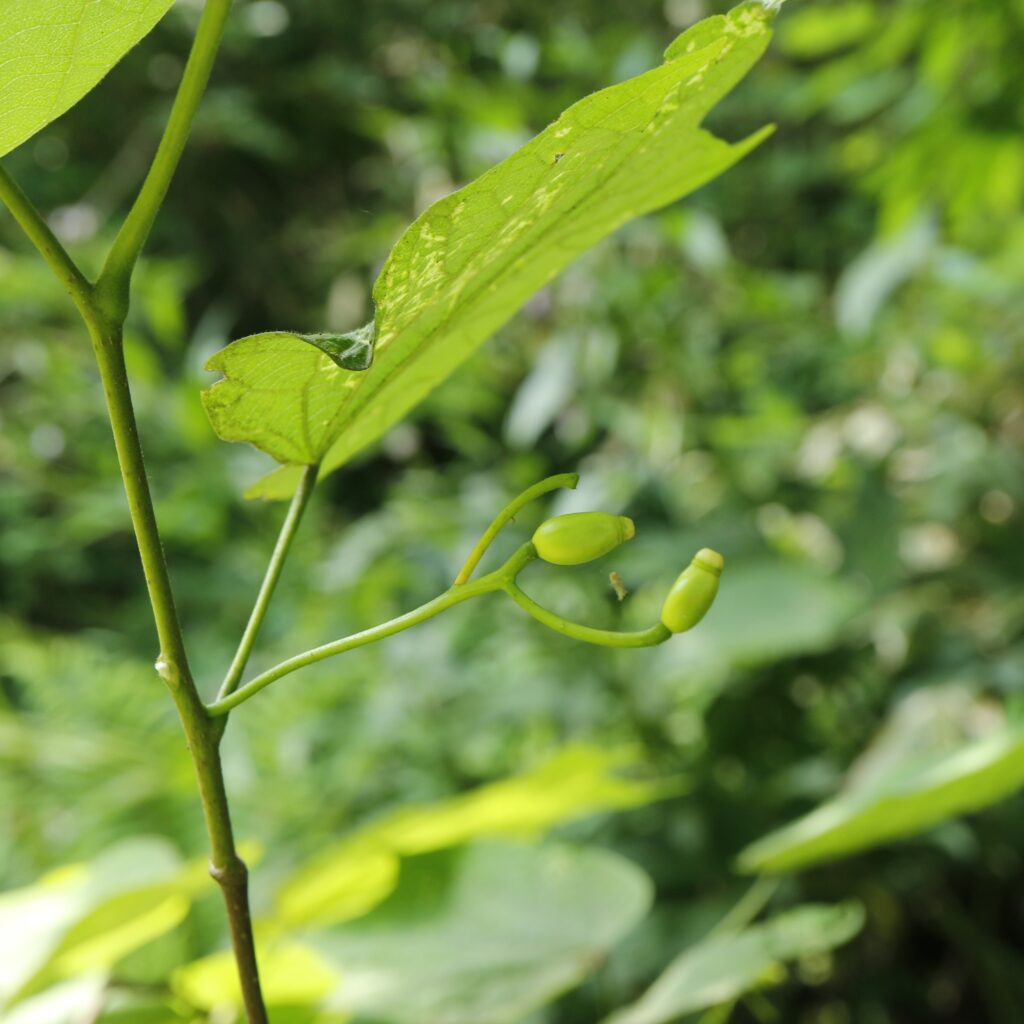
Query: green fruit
pixel 581 536
pixel 693 592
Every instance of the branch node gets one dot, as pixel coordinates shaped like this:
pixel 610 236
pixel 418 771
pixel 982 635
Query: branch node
pixel 232 876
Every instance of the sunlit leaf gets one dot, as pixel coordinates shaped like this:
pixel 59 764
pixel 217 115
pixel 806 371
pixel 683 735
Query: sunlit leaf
pixel 291 974
pixel 724 967
pixel 117 927
pixel 85 918
pixel 896 796
pixel 472 259
pixel 129 1007
pixel 347 879
pixel 283 392
pixel 61 1004
pixel 485 934
pixel 52 52
pixel 575 782
pixel 343 882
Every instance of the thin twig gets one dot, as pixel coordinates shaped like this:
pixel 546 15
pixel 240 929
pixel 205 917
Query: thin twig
pixel 284 540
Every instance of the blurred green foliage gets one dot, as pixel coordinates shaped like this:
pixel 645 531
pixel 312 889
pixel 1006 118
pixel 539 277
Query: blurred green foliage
pixel 814 366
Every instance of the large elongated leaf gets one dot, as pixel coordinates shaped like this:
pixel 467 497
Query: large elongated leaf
pixel 722 968
pixel 484 935
pixel 52 52
pixel 472 259
pixel 349 878
pixel 896 794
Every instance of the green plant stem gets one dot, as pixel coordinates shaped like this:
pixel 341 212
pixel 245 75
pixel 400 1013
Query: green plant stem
pixel 112 288
pixel 284 541
pixel 104 308
pixel 110 358
pixel 749 905
pixel 657 634
pixel 488 584
pixel 38 231
pixel 226 867
pixel 551 483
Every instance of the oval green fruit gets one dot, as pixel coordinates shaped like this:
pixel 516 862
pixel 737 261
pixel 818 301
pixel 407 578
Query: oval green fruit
pixel 693 592
pixel 581 536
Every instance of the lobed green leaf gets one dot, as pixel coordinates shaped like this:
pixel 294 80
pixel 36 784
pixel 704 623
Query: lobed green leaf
pixel 281 391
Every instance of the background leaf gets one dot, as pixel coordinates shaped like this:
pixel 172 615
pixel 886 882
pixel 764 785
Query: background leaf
pixel 472 259
pixel 724 967
pixel 485 934
pixel 911 780
pixel 52 52
pixel 290 975
pixel 348 878
pixel 60 1004
pixel 85 918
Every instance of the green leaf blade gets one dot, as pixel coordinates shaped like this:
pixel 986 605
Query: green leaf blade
pixel 724 967
pixel 484 934
pixel 473 259
pixel 86 917
pixel 348 878
pixel 980 774
pixel 281 390
pixel 53 52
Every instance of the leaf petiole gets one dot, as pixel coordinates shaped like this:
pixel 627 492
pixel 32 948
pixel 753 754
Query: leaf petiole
pixel 656 634
pixel 503 578
pixel 277 559
pixel 551 483
pixel 488 584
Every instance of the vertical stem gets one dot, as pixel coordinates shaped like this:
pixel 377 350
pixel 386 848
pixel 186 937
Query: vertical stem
pixel 110 357
pixel 202 735
pixel 104 308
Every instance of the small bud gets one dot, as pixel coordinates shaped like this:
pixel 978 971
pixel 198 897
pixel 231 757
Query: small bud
pixel 581 537
pixel 693 592
pixel 163 668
